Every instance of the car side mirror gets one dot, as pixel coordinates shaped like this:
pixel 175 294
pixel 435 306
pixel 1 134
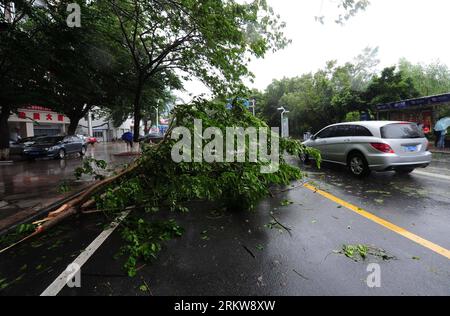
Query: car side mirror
pixel 313 137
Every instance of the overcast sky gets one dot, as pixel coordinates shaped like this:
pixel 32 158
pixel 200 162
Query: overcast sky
pixel 418 30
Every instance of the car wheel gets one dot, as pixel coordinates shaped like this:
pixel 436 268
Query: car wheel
pixel 83 151
pixel 404 171
pixel 358 165
pixel 61 154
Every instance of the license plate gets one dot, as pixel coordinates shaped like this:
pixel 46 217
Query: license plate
pixel 410 148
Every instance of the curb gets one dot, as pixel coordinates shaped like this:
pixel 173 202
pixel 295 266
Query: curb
pixel 440 152
pixel 41 212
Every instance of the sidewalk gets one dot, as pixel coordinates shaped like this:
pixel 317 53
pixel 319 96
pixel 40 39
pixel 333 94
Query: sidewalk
pixel 28 187
pixel 435 150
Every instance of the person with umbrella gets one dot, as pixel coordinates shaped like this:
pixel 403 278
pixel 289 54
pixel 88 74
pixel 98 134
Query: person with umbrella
pixel 127 137
pixel 440 129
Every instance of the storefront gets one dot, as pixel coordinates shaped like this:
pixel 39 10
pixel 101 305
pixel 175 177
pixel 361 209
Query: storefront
pixel 38 121
pixel 424 111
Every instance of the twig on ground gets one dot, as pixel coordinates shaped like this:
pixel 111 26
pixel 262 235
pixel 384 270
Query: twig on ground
pixel 286 228
pixel 300 275
pixel 288 189
pixel 249 251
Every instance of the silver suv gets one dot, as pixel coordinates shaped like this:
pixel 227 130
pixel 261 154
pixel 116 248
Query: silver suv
pixel 373 145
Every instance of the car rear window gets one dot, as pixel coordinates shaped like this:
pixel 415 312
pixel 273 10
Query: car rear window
pixel 401 131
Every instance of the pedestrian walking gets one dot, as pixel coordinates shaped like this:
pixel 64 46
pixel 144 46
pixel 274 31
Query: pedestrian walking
pixel 127 137
pixel 440 131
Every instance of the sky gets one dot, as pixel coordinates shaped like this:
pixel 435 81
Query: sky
pixel 418 30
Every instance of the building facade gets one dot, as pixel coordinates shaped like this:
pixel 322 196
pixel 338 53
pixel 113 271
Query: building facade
pixel 425 111
pixel 38 121
pixel 41 121
pixel 103 129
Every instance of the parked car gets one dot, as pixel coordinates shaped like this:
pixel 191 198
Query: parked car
pixel 373 145
pixel 83 138
pixel 55 147
pixel 151 138
pixel 16 147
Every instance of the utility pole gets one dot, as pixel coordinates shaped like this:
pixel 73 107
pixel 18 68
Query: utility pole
pixel 284 125
pixel 254 106
pixel 89 121
pixel 157 119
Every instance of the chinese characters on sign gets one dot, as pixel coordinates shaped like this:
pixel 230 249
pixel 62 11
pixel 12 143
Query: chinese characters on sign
pixel 36 116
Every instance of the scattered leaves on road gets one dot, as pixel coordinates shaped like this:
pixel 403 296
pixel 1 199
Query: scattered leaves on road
pixel 362 252
pixel 286 203
pixel 378 192
pixel 204 235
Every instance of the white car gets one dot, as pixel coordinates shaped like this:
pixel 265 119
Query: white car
pixel 373 145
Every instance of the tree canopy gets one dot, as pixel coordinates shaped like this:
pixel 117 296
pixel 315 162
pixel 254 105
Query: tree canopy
pixel 340 93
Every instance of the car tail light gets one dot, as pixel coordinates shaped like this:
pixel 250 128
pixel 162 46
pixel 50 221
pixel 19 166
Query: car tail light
pixel 385 148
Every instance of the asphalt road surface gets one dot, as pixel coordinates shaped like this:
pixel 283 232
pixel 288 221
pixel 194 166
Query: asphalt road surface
pixel 405 220
pixel 27 186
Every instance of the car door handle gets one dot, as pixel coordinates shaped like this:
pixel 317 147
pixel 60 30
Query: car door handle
pixel 347 140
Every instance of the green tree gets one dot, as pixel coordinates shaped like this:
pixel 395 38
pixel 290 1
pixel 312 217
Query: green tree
pixel 210 40
pixel 346 10
pixel 390 86
pixel 83 65
pixel 316 99
pixel 428 79
pixel 19 71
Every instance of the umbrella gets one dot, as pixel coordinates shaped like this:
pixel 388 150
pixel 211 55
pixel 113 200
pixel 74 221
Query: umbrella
pixel 442 124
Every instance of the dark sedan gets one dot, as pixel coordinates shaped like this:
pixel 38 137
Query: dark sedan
pixel 16 147
pixel 55 147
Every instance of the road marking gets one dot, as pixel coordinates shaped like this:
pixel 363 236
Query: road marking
pixel 61 281
pixel 433 175
pixel 397 229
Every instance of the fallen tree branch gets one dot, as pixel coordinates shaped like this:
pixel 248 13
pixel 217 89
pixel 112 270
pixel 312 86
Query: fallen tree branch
pixel 286 228
pixel 75 205
pixel 288 189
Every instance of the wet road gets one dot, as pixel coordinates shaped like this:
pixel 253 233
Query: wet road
pixel 245 254
pixel 26 186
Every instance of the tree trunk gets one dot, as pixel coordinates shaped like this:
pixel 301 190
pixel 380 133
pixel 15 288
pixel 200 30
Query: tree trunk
pixel 146 129
pixel 72 127
pixel 74 120
pixel 137 112
pixel 75 117
pixel 4 129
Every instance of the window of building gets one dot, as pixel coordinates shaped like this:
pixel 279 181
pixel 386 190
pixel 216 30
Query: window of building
pixel 98 134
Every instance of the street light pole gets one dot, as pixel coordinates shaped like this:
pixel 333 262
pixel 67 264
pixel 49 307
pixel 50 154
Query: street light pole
pixel 283 111
pixel 157 119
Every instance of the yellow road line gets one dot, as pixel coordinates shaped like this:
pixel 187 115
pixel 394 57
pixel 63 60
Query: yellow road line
pixel 399 230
